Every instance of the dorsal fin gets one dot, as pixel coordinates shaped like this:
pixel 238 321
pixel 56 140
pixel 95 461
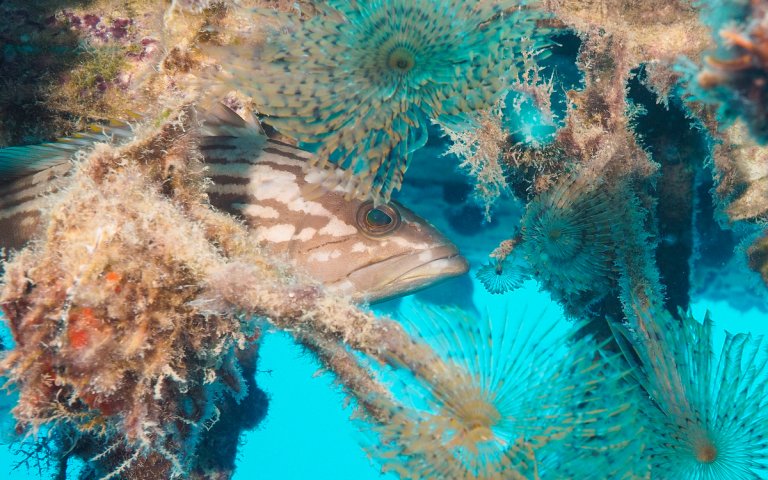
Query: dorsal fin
pixel 16 162
pixel 222 115
pixel 225 129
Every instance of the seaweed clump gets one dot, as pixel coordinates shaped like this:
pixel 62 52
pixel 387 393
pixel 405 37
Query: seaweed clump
pixel 361 82
pixel 108 344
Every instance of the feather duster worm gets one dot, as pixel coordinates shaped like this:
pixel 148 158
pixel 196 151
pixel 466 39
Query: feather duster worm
pixel 363 79
pixel 567 237
pixel 507 269
pixel 508 401
pixel 565 242
pixel 706 412
pixel 500 276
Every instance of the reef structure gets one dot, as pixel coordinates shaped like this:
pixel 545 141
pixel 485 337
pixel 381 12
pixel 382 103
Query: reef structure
pixel 136 269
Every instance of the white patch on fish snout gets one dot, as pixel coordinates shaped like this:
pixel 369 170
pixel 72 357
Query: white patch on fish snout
pixel 337 228
pixel 410 246
pixel 258 211
pixel 426 256
pixel 276 233
pixel 324 255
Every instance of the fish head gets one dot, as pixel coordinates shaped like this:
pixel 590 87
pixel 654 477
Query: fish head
pixel 370 253
pixel 387 251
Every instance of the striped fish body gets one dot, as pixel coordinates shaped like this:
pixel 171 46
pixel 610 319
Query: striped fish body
pixel 368 253
pixel 29 173
pixel 21 202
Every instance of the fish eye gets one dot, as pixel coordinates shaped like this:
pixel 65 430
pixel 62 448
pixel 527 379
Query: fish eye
pixel 378 221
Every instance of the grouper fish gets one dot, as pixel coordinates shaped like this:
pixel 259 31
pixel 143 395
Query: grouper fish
pixel 371 253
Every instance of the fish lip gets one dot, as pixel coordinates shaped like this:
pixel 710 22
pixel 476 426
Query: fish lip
pixel 446 262
pixel 457 263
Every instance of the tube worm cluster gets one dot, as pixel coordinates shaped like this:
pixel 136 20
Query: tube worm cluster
pixel 563 406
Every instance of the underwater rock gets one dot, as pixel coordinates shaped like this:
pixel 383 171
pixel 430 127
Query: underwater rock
pixel 35 47
pixel 69 62
pixel 74 59
pixel 597 139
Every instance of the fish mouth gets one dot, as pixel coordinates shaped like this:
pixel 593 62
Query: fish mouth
pixel 408 273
